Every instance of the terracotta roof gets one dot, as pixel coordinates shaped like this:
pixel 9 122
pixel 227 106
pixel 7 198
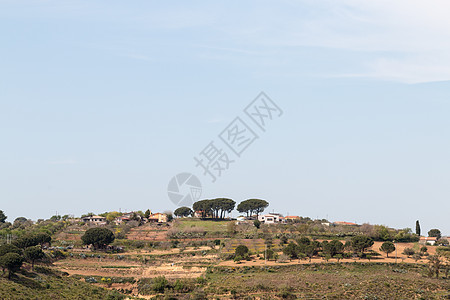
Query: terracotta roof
pixel 429 238
pixel 345 223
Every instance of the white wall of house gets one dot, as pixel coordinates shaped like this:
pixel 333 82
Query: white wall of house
pixel 269 219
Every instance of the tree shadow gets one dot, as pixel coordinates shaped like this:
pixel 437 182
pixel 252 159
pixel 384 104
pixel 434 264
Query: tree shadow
pixel 26 281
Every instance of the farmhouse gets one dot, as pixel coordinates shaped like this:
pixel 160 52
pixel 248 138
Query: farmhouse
pixel 271 218
pixel 158 218
pixel 94 220
pixel 430 240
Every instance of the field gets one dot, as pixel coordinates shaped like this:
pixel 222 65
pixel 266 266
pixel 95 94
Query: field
pixel 50 284
pixel 327 281
pixel 193 259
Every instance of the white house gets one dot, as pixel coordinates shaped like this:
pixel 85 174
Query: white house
pixel 430 240
pixel 95 220
pixel 271 218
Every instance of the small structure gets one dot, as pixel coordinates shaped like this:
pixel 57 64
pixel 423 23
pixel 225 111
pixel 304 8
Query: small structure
pixel 121 220
pixel 94 220
pixel 430 240
pixel 292 218
pixel 345 223
pixel 271 218
pixel 157 218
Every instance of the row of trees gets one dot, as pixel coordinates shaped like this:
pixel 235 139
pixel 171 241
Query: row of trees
pixel 304 247
pixel 217 208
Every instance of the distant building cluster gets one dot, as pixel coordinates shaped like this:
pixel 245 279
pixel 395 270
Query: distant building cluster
pixel 126 217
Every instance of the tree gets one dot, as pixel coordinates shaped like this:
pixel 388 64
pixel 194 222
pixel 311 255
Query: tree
pixel 434 233
pixel 310 250
pixel 22 222
pixel 333 248
pixel 9 248
pixel 32 254
pixel 257 223
pixel 55 218
pixel 227 205
pixel 203 206
pixel 26 241
pixel 292 250
pixel 216 208
pixel 43 238
pixel 111 216
pixel 387 247
pixel 361 243
pixel 417 227
pixel 241 251
pixel 169 216
pixel 183 211
pixel 244 207
pixel 147 213
pixel 382 233
pixel 99 238
pixel 2 217
pixel 252 206
pixel 12 262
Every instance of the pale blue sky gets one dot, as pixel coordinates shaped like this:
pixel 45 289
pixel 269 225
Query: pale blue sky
pixel 102 102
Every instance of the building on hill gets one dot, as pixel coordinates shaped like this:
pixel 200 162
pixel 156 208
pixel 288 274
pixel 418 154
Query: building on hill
pixel 344 223
pixel 157 218
pixel 271 218
pixel 121 220
pixel 430 240
pixel 199 214
pixel 94 220
pixel 292 218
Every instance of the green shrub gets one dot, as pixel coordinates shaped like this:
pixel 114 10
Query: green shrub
pixel 159 284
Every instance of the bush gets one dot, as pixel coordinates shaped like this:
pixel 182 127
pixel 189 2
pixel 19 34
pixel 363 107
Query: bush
pixel 409 251
pixel 269 254
pixel 159 284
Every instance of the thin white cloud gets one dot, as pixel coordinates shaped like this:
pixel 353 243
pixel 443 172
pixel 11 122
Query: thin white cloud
pixel 408 40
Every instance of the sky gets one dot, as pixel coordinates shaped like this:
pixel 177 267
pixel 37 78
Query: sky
pixel 102 103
